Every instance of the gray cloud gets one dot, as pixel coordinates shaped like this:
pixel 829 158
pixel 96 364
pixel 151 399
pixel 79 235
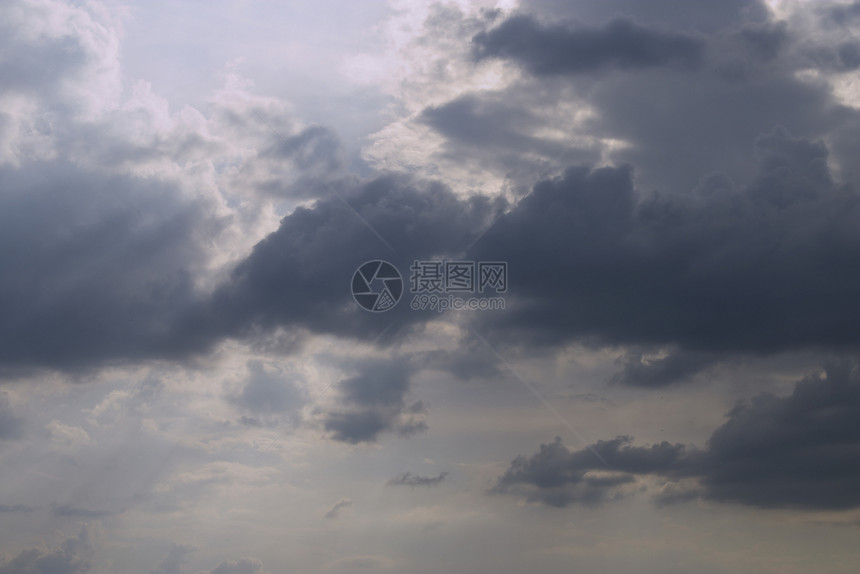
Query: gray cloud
pixel 373 402
pixel 500 134
pixel 298 275
pixel 413 480
pixel 577 48
pixel 334 511
pixel 725 269
pixel 72 557
pixel 676 366
pixel 678 127
pixel 95 268
pixel 798 451
pixel 843 13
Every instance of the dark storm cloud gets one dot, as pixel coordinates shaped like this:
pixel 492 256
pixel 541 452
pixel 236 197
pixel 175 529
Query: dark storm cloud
pixel 755 260
pixel 577 48
pixel 72 557
pixel 373 402
pixel 740 268
pixel 799 451
pixel 99 269
pixel 300 274
pixel 756 269
pixel 94 268
pixel 413 480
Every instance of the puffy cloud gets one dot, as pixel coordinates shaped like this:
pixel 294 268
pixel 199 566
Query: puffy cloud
pixel 557 477
pixel 797 451
pixel 298 275
pixel 726 269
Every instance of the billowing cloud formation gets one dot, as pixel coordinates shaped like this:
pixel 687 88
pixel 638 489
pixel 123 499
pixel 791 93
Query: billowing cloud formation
pixel 798 451
pixel 300 274
pixel 727 268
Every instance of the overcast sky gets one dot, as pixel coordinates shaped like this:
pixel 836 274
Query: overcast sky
pixel 189 380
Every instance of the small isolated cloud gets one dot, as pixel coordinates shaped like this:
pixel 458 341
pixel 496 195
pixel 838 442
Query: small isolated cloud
pixel 412 480
pixel 338 506
pixel 374 402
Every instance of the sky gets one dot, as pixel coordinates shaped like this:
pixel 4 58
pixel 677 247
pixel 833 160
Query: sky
pixel 330 287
